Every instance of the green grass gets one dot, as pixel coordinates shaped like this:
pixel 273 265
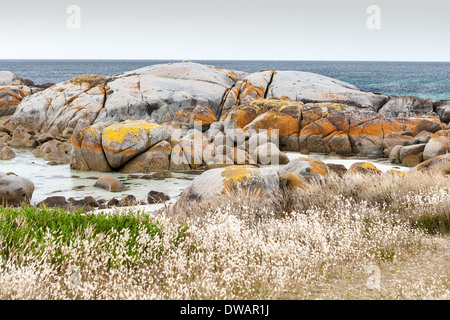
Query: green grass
pixel 20 227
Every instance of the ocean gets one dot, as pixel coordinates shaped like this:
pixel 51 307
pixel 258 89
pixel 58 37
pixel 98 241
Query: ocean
pixel 430 80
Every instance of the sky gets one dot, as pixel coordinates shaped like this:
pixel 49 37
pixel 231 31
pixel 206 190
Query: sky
pixel 413 30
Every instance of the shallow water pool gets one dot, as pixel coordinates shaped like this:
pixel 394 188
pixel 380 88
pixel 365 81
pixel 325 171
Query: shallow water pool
pixel 60 180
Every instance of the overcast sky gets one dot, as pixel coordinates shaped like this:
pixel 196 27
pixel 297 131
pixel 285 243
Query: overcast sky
pixel 413 30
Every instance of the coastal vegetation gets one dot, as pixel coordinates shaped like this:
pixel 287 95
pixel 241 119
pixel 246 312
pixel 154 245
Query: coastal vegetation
pixel 318 241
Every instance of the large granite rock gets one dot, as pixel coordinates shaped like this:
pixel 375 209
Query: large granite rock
pixel 123 141
pixel 311 87
pixel 407 107
pixel 216 182
pixel 158 92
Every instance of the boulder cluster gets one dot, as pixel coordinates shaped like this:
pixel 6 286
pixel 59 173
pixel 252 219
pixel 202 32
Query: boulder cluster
pixel 190 116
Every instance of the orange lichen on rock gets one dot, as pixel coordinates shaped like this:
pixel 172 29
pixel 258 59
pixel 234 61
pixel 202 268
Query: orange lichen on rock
pixel 203 115
pixel 317 166
pixel 293 180
pixel 285 124
pixel 91 79
pixel 184 115
pixel 441 133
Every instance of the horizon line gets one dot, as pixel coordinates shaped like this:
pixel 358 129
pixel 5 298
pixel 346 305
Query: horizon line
pixel 203 59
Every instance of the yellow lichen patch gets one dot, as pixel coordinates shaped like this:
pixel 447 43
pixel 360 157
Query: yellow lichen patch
pixel 398 173
pixel 128 129
pixel 239 173
pixel 363 168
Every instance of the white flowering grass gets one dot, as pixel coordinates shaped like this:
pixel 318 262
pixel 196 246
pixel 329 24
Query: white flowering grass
pixel 243 248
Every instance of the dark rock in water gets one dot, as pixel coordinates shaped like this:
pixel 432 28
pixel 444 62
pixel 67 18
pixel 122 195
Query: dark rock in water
pixel 91 201
pixel 128 200
pixel 156 197
pixel 158 175
pixel 110 183
pixel 113 202
pixel 55 201
pixel 78 205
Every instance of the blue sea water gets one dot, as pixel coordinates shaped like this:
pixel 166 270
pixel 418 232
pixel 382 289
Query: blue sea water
pixel 422 79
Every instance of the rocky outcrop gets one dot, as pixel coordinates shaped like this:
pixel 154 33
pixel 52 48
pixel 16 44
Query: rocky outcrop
pixel 158 92
pixel 152 93
pixel 328 127
pixel 407 107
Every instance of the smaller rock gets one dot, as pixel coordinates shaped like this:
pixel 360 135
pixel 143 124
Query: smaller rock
pixel 128 200
pixel 156 197
pixel 78 205
pixel 113 202
pixel 339 169
pixel 412 160
pixel 45 137
pixel 433 162
pixel 436 147
pixel 91 201
pixel 158 175
pixel 7 153
pixel 51 202
pixel 110 183
pixel 363 168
